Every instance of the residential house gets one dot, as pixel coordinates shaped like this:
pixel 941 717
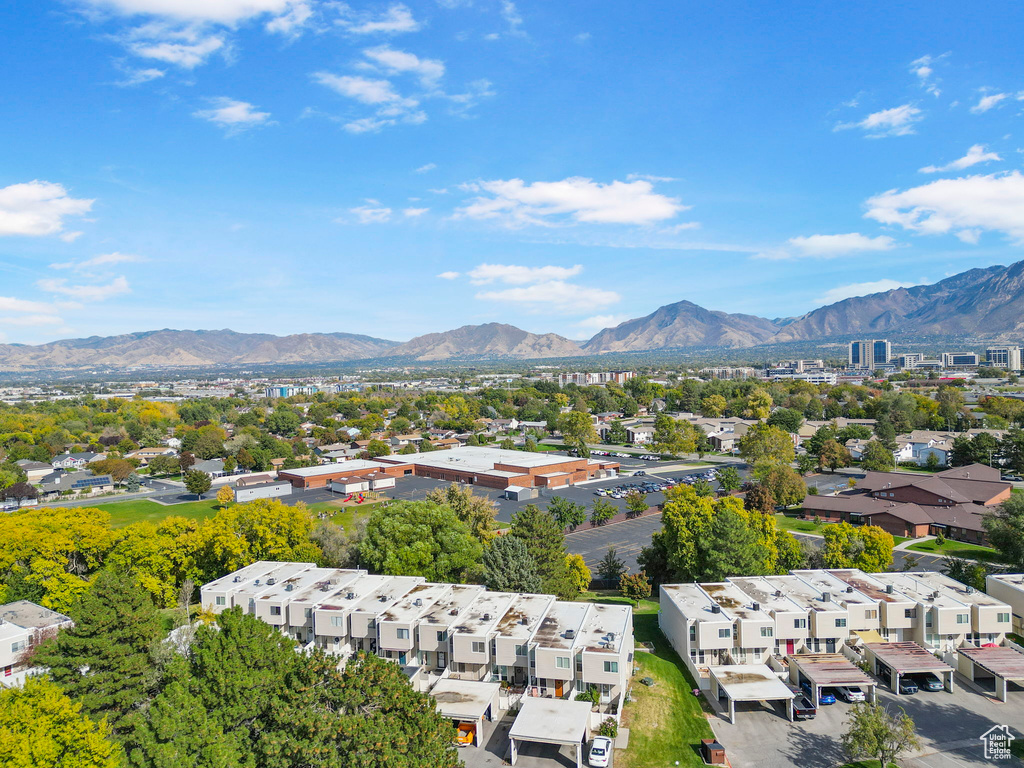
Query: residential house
pixel 76 460
pixel 23 625
pixel 34 471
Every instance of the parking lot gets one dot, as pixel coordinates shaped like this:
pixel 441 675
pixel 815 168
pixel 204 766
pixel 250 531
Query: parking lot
pixel 949 725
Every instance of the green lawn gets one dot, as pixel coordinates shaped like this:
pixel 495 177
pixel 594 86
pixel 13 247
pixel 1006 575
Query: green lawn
pixel 123 513
pixel 666 721
pixel 956 549
pixel 796 525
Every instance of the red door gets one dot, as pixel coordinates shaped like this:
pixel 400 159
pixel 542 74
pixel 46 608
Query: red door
pixel 789 647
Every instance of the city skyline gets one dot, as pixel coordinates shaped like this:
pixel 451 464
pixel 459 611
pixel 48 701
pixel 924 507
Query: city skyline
pixel 392 169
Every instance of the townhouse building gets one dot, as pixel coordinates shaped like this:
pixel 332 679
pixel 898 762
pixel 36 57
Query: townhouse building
pixel 23 625
pixel 1009 588
pixel 747 620
pixel 534 643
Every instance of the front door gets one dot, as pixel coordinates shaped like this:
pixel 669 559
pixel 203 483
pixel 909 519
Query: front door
pixel 558 689
pixel 790 647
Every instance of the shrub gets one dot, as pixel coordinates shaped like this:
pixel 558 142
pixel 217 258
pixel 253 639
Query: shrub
pixel 608 728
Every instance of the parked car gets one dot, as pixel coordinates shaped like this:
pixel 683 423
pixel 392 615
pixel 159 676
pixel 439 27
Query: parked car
pixel 600 752
pixel 851 693
pixel 907 686
pixel 803 709
pixel 823 698
pixel 928 682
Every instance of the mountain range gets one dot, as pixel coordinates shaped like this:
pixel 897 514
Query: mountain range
pixel 985 302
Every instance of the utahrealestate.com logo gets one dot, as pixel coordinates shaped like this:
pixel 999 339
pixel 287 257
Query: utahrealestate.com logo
pixel 997 740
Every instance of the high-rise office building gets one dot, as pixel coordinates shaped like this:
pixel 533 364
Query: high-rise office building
pixel 1007 358
pixel 870 354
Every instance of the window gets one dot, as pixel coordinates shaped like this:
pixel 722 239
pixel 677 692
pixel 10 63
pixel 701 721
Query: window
pixel 479 647
pixel 520 650
pixel 275 610
pixel 308 613
pixel 693 633
pixel 799 623
pixel 337 621
pixel 562 662
pixel 221 600
pixel 910 613
pixel 725 632
pixel 963 618
pixel 442 636
pixel 1003 618
pixel 840 622
pixel 611 666
pixel 403 634
pixel 766 632
pixel 871 614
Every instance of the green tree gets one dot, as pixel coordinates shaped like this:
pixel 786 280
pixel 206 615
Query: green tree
pixel 833 455
pixel 867 547
pixel 877 458
pixel 635 587
pixel 602 512
pixel 577 431
pixel 569 514
pixel 616 433
pixel 378 448
pixel 875 732
pixel 967 572
pixel 1005 531
pixel 478 512
pixel 197 482
pixel 765 444
pixel 611 566
pixel 115 628
pixel 674 436
pixel 759 498
pixel 787 419
pixel 729 479
pixel 545 540
pixel 579 574
pixel 508 566
pixel 636 503
pixel 40 727
pixel 419 538
pixel 713 406
pixel 732 548
pixel 702 487
pixel 786 486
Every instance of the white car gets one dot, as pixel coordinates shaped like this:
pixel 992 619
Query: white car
pixel 600 752
pixel 851 693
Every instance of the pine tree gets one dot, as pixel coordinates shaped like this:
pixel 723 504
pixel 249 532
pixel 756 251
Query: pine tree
pixel 545 539
pixel 509 566
pixel 116 626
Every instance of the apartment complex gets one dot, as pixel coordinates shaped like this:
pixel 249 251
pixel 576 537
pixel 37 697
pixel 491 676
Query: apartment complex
pixel 747 620
pixel 23 624
pixel 589 379
pixel 1009 587
pixel 546 647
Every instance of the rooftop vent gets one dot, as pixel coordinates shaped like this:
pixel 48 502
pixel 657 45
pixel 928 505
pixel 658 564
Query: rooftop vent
pixel 487 617
pixel 383 598
pixel 716 609
pixel 849 590
pixel 453 612
pixel 778 593
pixel 271 582
pixel 417 602
pixel 256 583
pixel 524 620
pixel 755 606
pixel 888 589
pixel 289 587
pixel 826 597
pixel 570 634
pixel 236 579
pixel 350 595
pixel 325 587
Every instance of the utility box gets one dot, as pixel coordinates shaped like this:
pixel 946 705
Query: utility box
pixel 712 752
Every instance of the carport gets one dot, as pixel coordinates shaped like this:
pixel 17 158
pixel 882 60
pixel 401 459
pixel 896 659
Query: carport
pixel 828 670
pixel 749 682
pixel 1004 664
pixel 467 701
pixel 551 721
pixel 903 659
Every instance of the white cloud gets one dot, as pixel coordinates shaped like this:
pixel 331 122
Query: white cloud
pixel 450 275
pixel 70 237
pixel 187 55
pixel 32 320
pixel 398 18
pixel 429 71
pixel 514 274
pixel 676 229
pixel 372 213
pixel 649 177
pixel 116 287
pixel 512 17
pixel 290 24
pixel 359 88
pixel 988 102
pixel 554 296
pixel 859 289
pixel 425 168
pixel 412 213
pixel 976 154
pixel 592 325
pixel 582 37
pixel 140 76
pixel 572 200
pixel 830 246
pixel 898 121
pixel 924 69
pixel 37 208
pixel 12 304
pixel 217 11
pixel 971 203
pixel 232 115
pixel 103 260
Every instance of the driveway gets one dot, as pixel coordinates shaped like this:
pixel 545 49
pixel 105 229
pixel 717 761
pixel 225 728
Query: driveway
pixel 495 748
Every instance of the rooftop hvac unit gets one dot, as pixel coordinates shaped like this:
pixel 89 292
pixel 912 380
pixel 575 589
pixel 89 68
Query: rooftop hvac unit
pixel 755 606
pixel 570 634
pixel 383 598
pixel 716 609
pixel 970 590
pixel 453 612
pixel 778 593
pixel 935 595
pixel 350 595
pixel 849 590
pixel 271 582
pixel 888 589
pixel 611 637
pixel 325 587
pixel 524 620
pixel 487 617
pixel 289 587
pixel 826 597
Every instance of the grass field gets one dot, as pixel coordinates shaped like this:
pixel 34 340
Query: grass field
pixel 123 513
pixel 956 549
pixel 794 525
pixel 666 721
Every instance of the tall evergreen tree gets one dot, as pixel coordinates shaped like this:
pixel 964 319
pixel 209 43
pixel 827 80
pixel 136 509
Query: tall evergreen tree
pixel 732 548
pixel 103 662
pixel 509 566
pixel 545 539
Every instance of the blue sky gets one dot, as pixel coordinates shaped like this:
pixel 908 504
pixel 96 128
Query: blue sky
pixel 394 168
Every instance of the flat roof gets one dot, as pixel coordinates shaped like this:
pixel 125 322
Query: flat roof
pixel 447 611
pixel 523 617
pixel 1001 662
pixel 464 699
pixel 236 579
pixel 750 682
pixel 605 628
pixel 1013 579
pixel 476 459
pixel 693 602
pixel 907 657
pixel 762 592
pixel 869 585
pixel 484 613
pixel 841 591
pixel 28 615
pixel 360 588
pixel 956 589
pixel 802 593
pixel 393 589
pixel 920 590
pixel 419 600
pixel 830 669
pixel 285 588
pixel 552 721
pixel 332 580
pixel 330 469
pixel 561 619
pixel 734 601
